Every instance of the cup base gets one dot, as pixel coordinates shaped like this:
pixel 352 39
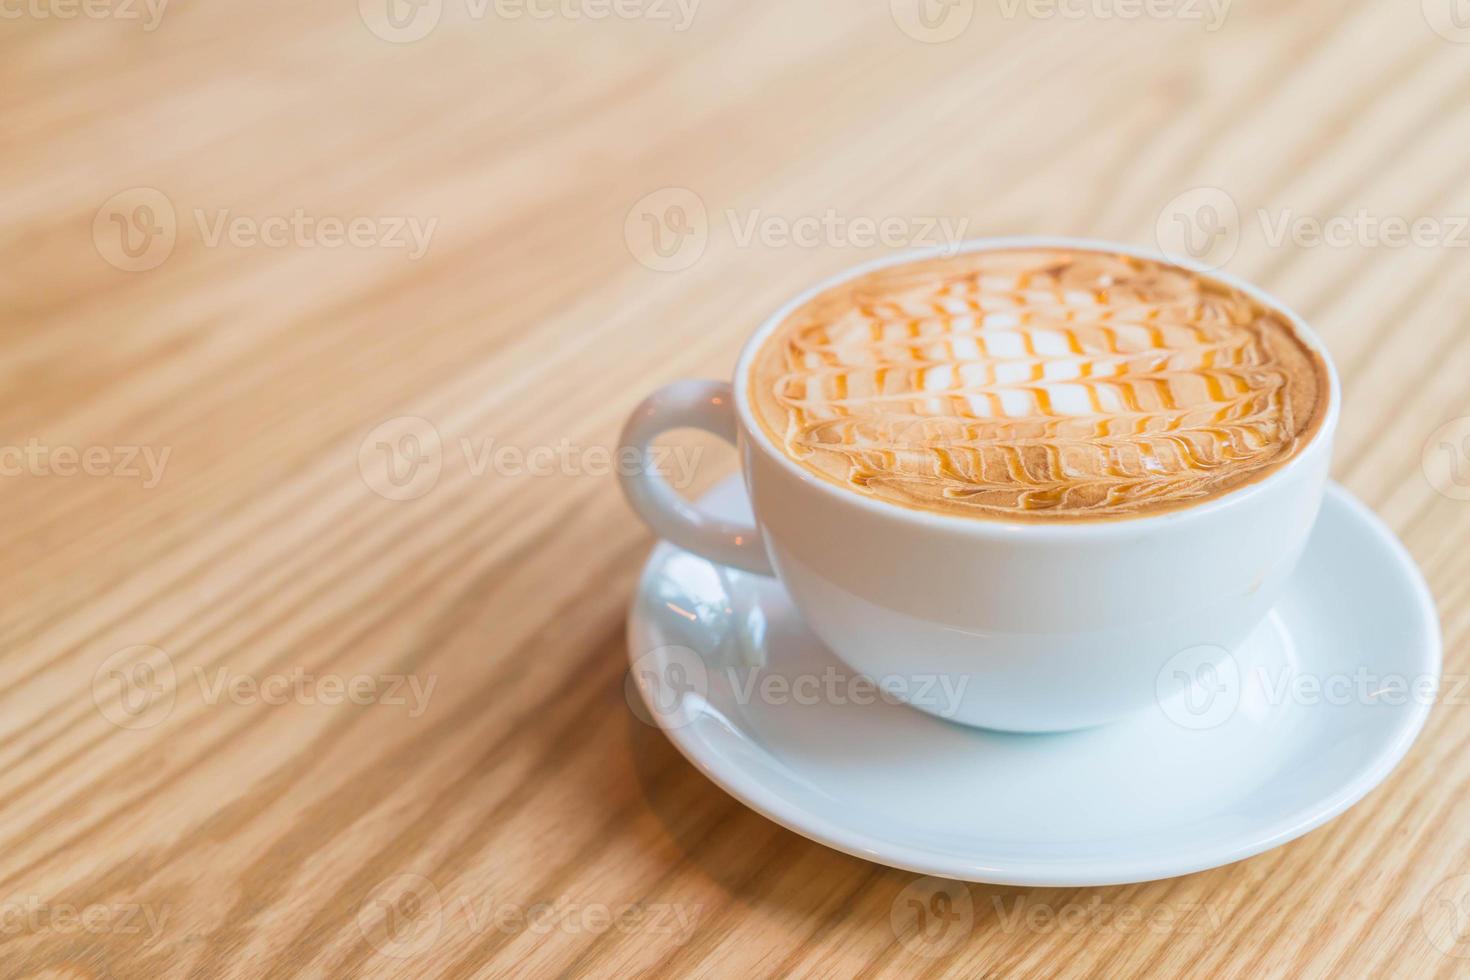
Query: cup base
pixel 743 688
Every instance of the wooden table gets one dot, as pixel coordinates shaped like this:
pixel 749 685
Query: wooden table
pixel 314 663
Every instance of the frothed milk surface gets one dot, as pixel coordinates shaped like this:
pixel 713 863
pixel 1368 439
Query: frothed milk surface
pixel 1038 385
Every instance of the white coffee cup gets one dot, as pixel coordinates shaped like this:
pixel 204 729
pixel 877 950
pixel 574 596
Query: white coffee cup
pixel 1042 626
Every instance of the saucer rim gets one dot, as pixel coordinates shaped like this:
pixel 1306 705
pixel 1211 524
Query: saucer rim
pixel 1070 872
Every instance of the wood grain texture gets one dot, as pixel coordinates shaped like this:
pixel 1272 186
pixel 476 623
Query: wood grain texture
pixel 221 816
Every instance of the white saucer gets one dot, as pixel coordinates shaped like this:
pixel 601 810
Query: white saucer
pixel 1251 757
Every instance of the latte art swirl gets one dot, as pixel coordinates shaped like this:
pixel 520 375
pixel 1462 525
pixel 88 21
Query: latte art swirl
pixel 1039 384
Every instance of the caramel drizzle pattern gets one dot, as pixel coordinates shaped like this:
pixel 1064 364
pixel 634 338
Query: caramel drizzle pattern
pixel 1178 390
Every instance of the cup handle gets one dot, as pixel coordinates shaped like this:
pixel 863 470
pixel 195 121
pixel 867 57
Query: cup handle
pixel 707 405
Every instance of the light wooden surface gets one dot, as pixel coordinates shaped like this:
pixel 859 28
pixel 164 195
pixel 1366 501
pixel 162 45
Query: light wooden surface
pixel 200 807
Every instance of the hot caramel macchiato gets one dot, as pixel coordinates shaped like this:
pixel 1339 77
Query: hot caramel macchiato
pixel 1038 384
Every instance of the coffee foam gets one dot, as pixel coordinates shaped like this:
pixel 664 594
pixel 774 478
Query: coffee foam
pixel 1037 384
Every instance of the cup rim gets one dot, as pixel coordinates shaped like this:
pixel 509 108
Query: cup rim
pixel 754 435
